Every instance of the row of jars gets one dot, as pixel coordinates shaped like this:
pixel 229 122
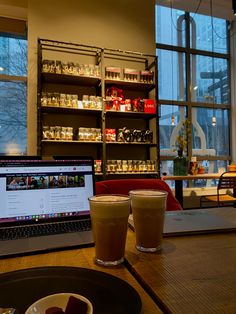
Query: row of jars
pixel 70 68
pixel 118 166
pixel 89 134
pixel 58 133
pixel 70 101
pixel 61 133
pixel 130 75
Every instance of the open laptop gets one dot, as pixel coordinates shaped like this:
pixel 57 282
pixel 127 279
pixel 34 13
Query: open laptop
pixel 49 197
pixel 197 221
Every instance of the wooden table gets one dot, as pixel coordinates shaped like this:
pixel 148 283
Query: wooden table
pixel 79 258
pixel 179 182
pixel 192 274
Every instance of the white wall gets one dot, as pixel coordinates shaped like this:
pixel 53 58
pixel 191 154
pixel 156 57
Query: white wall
pixel 127 25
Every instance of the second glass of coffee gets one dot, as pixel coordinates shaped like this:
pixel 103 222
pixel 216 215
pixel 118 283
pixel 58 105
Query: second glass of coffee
pixel 148 208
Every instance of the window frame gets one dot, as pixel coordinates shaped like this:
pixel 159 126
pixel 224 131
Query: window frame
pixel 188 103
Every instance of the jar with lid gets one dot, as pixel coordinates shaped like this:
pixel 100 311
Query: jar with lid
pixel 99 102
pixel 140 165
pixel 98 166
pixel 119 167
pixel 130 166
pixel 135 166
pixel 57 133
pixel 153 167
pixel 68 101
pixel 69 133
pixel 124 165
pixel 44 100
pixel 64 68
pixel 46 132
pixel 113 166
pixel 92 102
pixel 108 168
pixel 74 101
pixel 52 133
pixel 144 166
pixel 85 101
pixel 62 101
pixel 98 135
pixel 63 133
pixel 149 166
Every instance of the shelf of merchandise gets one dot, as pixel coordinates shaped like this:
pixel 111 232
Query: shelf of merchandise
pixel 71 79
pixel 64 110
pixel 134 119
pixel 60 83
pixel 92 117
pixel 72 142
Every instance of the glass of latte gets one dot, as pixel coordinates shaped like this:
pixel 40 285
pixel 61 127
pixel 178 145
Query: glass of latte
pixel 109 215
pixel 148 208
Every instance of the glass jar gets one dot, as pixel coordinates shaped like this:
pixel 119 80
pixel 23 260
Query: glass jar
pixel 130 165
pixel 46 132
pixel 180 165
pixel 119 167
pixel 124 165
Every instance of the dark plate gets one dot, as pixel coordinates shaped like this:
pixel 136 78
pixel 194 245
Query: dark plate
pixel 107 293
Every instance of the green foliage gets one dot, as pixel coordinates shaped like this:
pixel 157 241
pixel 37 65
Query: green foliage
pixel 181 142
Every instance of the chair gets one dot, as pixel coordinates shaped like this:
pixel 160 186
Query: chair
pixel 123 186
pixel 227 181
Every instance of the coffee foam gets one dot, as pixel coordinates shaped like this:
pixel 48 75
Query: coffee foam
pixel 109 206
pixel 148 193
pixel 109 198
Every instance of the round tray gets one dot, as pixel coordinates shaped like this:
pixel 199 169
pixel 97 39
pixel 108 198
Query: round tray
pixel 107 293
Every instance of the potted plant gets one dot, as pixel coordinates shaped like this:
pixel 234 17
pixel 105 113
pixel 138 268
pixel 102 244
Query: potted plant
pixel 181 143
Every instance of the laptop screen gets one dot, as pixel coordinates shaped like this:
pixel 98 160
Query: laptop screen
pixel 37 190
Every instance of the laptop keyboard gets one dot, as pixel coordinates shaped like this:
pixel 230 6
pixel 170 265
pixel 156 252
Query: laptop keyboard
pixel 13 233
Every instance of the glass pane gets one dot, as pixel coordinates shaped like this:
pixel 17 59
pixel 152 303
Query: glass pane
pixel 210 140
pixel 207 87
pixel 12 118
pixel 201 33
pixel 170 26
pixel 171 75
pixel 169 131
pixel 13 56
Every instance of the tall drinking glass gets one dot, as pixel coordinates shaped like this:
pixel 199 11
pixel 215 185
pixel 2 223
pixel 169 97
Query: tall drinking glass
pixel 148 208
pixel 109 214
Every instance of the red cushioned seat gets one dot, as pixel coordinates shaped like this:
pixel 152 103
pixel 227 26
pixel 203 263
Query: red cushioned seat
pixel 123 186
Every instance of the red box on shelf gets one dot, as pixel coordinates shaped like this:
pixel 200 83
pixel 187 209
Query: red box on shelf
pixel 149 106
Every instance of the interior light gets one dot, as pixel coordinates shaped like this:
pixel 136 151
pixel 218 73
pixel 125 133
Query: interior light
pixel 172 120
pixel 195 87
pixel 213 121
pixel 234 6
pixel 1 69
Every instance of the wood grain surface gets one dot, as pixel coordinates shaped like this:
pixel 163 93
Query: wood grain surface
pixel 78 258
pixel 191 274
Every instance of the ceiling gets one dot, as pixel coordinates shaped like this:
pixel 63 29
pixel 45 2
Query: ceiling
pixel 221 8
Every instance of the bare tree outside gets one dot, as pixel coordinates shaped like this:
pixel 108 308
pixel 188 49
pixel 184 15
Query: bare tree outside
pixel 13 93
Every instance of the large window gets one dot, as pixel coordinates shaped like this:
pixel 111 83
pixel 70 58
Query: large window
pixel 13 89
pixel 193 59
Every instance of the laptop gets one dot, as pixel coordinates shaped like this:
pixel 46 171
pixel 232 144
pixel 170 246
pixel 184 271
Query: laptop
pixel 46 203
pixel 197 221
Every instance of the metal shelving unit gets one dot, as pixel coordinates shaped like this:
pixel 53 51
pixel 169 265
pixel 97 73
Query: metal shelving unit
pixel 94 118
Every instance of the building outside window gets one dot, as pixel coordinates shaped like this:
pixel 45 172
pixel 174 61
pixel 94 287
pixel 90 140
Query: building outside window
pixel 13 93
pixel 193 78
